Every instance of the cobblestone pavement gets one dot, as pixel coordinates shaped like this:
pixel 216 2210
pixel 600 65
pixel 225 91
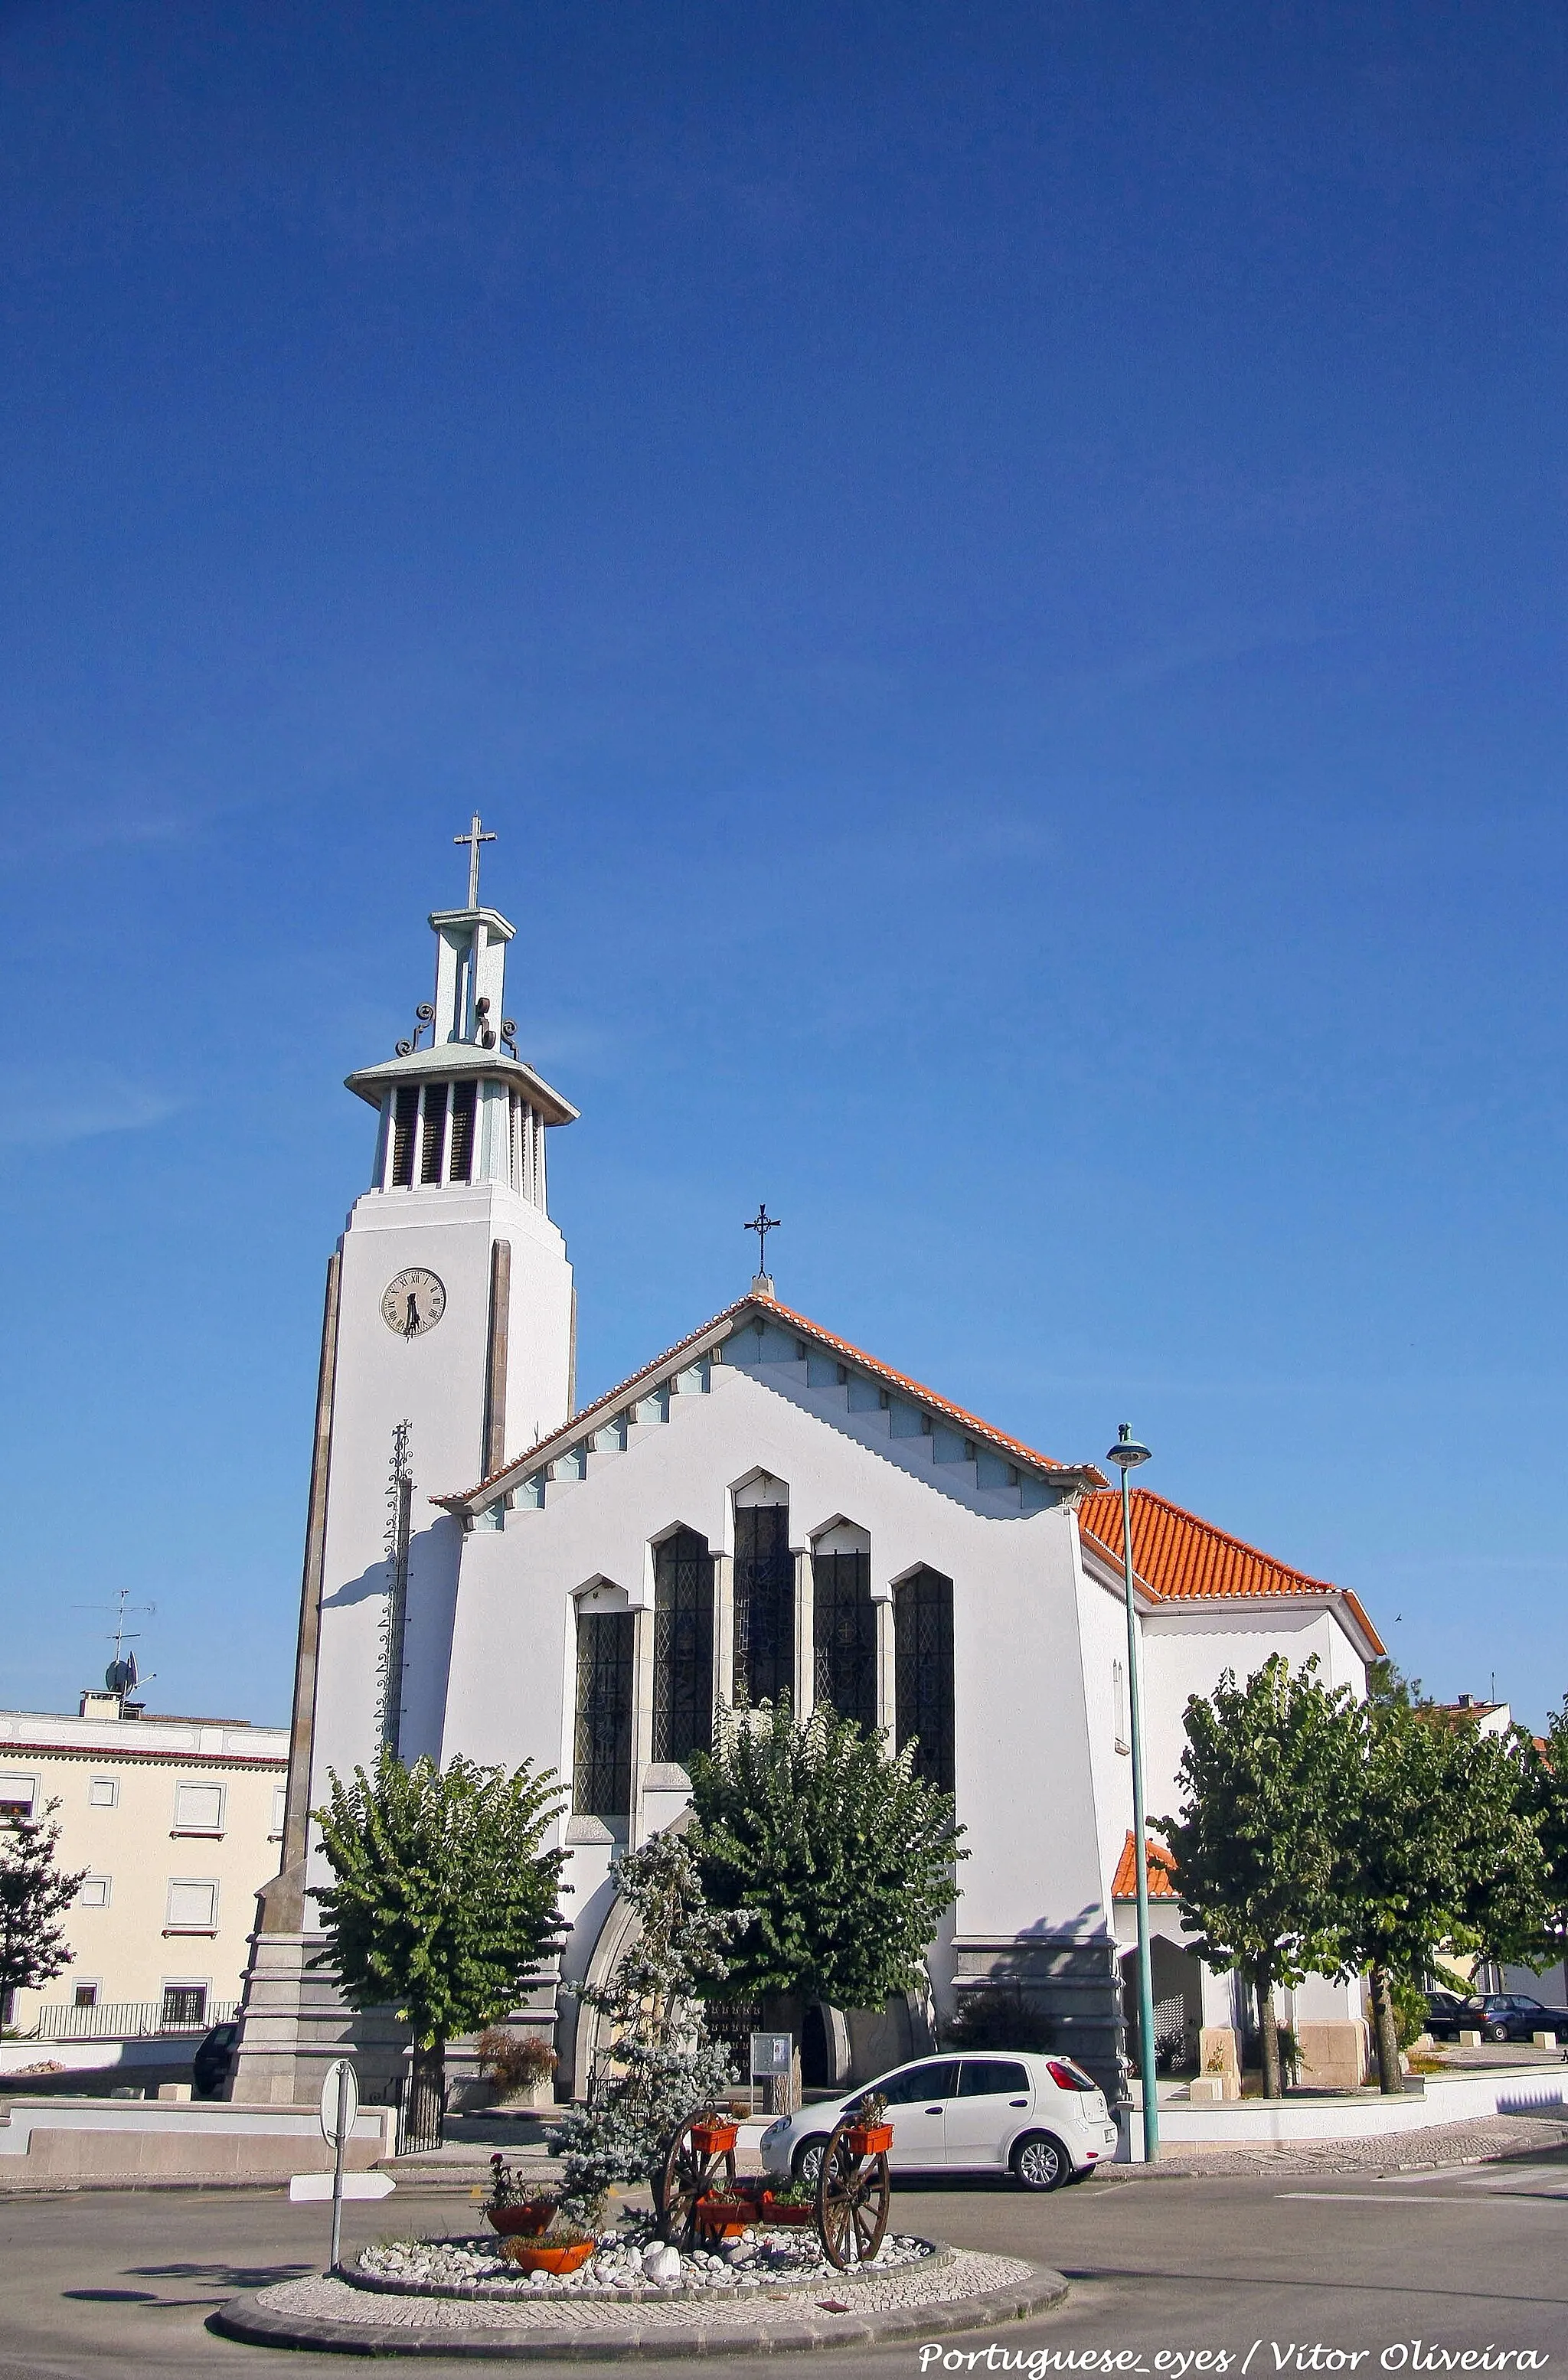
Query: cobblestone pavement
pixel 1444 2145
pixel 964 2275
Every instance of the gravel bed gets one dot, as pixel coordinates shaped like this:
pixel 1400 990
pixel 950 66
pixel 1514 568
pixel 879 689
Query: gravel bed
pixel 935 2281
pixel 632 2266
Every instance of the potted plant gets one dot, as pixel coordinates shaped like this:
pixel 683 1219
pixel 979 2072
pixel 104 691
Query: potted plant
pixel 712 2133
pixel 513 2208
pixel 519 2065
pixel 793 2208
pixel 560 2247
pixel 870 2134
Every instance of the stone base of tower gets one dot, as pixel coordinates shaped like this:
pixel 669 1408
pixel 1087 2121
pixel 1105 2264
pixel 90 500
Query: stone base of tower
pixel 1070 1984
pixel 292 2023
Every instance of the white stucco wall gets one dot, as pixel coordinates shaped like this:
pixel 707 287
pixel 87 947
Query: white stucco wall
pixel 436 1382
pixel 1023 1776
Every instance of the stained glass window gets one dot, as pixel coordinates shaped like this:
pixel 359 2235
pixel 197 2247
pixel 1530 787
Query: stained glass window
pixel 844 1627
pixel 601 1761
pixel 764 1604
pixel 922 1626
pixel 683 1647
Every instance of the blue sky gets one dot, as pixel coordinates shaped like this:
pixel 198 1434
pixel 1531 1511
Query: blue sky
pixel 999 571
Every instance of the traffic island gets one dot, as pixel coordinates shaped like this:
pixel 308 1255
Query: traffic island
pixel 939 2290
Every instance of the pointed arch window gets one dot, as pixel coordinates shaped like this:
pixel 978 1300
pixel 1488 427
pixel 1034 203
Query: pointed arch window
pixel 683 1647
pixel 601 1752
pixel 922 1622
pixel 764 1604
pixel 844 1628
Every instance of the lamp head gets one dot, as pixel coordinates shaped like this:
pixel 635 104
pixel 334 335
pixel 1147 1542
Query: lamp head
pixel 1128 1452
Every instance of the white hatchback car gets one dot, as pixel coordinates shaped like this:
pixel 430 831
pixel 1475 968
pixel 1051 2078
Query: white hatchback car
pixel 1043 2119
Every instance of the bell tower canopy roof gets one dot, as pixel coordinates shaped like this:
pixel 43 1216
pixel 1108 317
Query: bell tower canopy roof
pixel 471 1037
pixel 455 1062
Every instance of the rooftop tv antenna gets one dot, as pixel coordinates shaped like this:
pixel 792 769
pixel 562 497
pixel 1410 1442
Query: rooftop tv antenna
pixel 122 1675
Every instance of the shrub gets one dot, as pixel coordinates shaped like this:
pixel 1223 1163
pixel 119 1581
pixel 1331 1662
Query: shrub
pixel 513 2061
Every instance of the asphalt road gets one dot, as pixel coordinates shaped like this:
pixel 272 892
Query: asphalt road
pixel 100 2284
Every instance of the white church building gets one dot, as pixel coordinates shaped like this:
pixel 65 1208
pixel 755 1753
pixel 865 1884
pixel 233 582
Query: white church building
pixel 763 1508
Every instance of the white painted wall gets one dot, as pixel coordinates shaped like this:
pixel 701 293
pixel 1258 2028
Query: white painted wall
pixel 437 1382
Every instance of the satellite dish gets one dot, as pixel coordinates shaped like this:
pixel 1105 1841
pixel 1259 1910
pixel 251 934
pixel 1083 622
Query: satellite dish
pixel 120 1676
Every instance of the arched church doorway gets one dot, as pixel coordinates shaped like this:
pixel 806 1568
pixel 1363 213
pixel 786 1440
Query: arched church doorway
pixel 815 2062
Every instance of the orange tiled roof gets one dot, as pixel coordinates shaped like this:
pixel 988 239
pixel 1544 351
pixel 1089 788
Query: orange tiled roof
pixel 1179 1557
pixel 1123 1884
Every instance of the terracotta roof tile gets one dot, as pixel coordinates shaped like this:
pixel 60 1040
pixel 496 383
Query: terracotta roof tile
pixel 1179 1558
pixel 1123 1884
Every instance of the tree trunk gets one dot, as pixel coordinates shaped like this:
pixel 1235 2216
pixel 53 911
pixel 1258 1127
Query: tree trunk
pixel 424 2110
pixel 1385 2033
pixel 1269 2027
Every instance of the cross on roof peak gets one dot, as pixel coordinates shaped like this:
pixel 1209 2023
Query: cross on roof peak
pixel 763 1223
pixel 475 836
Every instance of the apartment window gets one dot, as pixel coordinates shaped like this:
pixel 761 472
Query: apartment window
pixel 86 1995
pixel 94 1891
pixel 193 1906
pixel 199 1809
pixel 103 1792
pixel 18 1795
pixel 185 2003
pixel 280 1800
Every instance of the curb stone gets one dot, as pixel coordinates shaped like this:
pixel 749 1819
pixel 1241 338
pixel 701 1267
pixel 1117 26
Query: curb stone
pixel 246 2319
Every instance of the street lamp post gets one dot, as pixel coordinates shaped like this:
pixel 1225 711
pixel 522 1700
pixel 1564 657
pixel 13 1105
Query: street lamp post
pixel 1127 1454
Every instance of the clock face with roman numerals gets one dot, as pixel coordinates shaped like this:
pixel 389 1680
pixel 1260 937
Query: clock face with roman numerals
pixel 413 1303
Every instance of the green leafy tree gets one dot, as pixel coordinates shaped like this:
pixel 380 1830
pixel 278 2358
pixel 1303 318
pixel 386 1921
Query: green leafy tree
pixel 34 1892
pixel 1402 1859
pixel 842 1857
pixel 1267 1773
pixel 444 1903
pixel 1549 1771
pixel 657 2063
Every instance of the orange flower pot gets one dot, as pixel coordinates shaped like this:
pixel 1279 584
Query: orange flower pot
pixel 714 2139
pixel 551 2259
pixel 869 2140
pixel 796 2215
pixel 522 2220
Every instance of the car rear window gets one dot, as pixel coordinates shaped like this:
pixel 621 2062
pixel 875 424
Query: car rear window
pixel 978 2077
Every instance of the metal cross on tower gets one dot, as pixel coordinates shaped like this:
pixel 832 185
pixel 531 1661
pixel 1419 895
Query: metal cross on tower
pixel 475 836
pixel 763 1223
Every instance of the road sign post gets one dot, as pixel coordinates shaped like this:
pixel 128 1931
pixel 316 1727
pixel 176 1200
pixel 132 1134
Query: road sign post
pixel 340 2106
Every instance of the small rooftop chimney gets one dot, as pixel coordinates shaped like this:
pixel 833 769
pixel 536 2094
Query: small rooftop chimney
pixel 1465 1702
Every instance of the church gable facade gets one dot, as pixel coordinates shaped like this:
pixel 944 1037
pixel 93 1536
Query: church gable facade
pixel 764 1510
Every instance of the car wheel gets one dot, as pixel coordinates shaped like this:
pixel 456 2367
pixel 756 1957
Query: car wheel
pixel 1496 2033
pixel 808 2160
pixel 1040 2163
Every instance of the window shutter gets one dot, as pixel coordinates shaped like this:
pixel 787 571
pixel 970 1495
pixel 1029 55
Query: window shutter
pixel 199 1809
pixel 193 1905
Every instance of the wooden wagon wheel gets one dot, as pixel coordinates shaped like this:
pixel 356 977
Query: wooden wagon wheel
pixel 689 2174
pixel 854 2194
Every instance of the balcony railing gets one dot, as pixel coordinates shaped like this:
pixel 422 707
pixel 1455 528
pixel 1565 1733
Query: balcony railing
pixel 125 2020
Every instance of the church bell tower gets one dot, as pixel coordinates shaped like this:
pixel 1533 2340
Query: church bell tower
pixel 447 1344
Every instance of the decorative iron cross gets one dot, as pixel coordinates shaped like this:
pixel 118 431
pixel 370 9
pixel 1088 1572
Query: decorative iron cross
pixel 763 1223
pixel 474 837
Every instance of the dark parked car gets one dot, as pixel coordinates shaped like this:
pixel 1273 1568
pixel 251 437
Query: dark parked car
pixel 1510 2016
pixel 1445 2014
pixel 209 2068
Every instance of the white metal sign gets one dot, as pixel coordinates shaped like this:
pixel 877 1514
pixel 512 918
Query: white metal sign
pixel 771 2053
pixel 340 2103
